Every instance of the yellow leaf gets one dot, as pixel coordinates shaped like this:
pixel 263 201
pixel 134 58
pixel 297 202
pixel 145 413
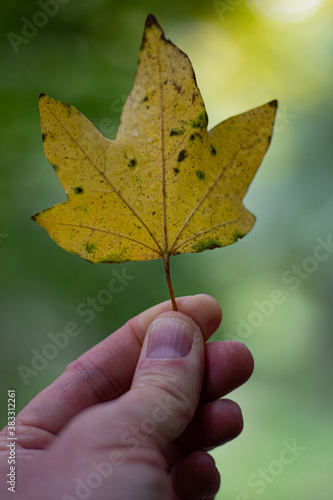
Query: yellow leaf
pixel 165 185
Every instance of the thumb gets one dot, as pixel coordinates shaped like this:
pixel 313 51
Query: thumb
pixel 122 439
pixel 168 379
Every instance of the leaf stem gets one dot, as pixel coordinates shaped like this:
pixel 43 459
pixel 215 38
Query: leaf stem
pixel 168 278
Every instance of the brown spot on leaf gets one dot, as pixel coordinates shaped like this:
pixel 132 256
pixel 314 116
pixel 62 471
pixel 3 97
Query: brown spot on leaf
pixel 151 21
pixel 273 104
pixel 182 155
pixel 196 135
pixel 178 88
pixel 176 132
pixel 132 163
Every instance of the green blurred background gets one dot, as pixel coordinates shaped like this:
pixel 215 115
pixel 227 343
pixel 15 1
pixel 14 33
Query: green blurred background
pixel 244 53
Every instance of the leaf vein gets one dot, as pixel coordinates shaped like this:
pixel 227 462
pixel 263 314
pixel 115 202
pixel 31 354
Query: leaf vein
pixel 108 232
pixel 218 178
pixel 203 232
pixel 110 183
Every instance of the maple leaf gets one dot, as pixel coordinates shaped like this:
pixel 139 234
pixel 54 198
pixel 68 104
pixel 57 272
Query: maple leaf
pixel 165 185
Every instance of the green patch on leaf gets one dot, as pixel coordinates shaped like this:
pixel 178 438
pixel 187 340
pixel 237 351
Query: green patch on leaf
pixel 116 257
pixel 201 121
pixel 207 245
pixel 236 235
pixel 200 174
pixel 90 247
pixel 68 109
pixel 78 190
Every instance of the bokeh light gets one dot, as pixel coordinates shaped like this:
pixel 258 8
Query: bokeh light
pixel 285 10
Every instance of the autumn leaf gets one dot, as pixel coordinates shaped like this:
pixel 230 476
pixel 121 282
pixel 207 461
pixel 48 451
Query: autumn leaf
pixel 165 185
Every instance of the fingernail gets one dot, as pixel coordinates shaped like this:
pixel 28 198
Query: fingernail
pixel 169 338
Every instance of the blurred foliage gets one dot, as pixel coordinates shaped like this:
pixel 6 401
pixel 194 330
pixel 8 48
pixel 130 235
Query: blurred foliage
pixel 243 56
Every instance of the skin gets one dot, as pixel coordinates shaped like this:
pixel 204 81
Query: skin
pixel 105 410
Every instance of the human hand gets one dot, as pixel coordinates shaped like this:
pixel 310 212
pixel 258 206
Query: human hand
pixel 126 421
